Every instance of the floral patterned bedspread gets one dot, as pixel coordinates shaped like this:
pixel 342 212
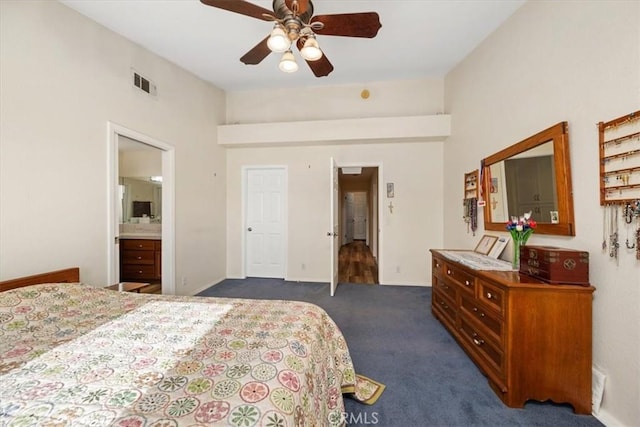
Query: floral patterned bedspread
pixel 71 354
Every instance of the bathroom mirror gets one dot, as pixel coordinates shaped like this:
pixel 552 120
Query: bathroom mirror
pixel 141 197
pixel 532 175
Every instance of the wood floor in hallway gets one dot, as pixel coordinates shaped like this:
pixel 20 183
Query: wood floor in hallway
pixel 357 264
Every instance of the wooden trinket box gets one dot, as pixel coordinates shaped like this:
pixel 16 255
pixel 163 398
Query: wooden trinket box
pixel 555 265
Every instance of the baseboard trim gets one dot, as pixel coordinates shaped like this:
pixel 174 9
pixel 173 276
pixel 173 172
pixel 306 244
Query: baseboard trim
pixel 205 287
pixel 423 285
pixel 609 420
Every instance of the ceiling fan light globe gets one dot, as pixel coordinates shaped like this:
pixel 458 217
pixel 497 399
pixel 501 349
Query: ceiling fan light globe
pixel 288 63
pixel 278 40
pixel 310 51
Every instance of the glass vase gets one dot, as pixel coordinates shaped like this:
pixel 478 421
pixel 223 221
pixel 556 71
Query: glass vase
pixel 515 260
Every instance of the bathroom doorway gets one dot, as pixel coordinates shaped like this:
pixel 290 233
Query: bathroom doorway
pixel 121 139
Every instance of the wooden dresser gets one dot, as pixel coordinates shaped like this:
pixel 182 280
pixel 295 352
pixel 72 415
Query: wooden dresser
pixel 531 339
pixel 140 260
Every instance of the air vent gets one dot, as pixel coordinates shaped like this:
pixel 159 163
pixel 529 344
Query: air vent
pixel 144 84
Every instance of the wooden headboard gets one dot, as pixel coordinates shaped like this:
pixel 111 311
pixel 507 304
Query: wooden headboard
pixel 68 275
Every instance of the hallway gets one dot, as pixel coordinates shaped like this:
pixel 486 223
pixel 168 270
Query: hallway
pixel 357 264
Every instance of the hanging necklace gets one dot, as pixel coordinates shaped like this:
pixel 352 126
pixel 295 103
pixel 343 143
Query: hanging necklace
pixel 473 210
pixel 467 213
pixel 613 241
pixel 628 219
pixel 471 214
pixel 638 240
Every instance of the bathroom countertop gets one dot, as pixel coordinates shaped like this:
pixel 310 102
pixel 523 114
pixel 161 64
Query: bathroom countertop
pixel 149 236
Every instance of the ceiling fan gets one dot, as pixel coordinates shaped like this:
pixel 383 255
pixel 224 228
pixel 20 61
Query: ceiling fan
pixel 294 23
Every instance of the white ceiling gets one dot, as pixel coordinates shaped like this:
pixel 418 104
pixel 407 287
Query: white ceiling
pixel 418 38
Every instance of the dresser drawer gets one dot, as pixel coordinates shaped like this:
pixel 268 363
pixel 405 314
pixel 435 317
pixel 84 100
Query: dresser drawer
pixel 132 272
pixel 491 295
pixel 463 278
pixel 445 306
pixel 137 245
pixel 436 267
pixel 444 287
pixel 138 257
pixel 491 355
pixel 492 324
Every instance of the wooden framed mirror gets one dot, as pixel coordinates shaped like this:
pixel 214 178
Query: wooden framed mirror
pixel 532 175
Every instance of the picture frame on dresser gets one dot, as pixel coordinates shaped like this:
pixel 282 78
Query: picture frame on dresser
pixel 485 244
pixel 498 247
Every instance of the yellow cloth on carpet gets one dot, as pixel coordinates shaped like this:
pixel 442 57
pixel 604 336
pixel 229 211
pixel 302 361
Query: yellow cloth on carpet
pixel 365 390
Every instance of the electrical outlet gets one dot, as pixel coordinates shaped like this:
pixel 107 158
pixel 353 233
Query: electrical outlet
pixel 184 281
pixel 304 266
pixel 397 269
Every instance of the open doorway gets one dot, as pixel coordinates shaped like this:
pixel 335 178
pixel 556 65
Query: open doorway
pixel 158 203
pixel 359 231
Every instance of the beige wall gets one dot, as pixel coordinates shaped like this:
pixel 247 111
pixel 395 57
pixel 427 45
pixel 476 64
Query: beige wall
pixel 144 163
pixel 62 78
pixel 550 62
pixel 415 169
pixel 406 234
pixel 387 99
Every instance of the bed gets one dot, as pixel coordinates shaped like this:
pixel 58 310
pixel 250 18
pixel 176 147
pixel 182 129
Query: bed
pixel 72 354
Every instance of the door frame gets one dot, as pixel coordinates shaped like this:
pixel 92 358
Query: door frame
pixel 381 193
pixel 243 216
pixel 334 226
pixel 115 130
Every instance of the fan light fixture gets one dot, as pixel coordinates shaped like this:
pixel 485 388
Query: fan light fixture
pixel 288 62
pixel 310 51
pixel 281 39
pixel 278 40
pixel 293 22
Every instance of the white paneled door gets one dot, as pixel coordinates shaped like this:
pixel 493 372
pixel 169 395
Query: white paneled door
pixel 360 216
pixel 265 222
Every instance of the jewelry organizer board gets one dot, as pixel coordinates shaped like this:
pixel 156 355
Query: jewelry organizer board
pixel 620 160
pixel 619 147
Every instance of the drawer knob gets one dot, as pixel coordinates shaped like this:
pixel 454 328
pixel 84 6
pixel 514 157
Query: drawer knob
pixel 475 310
pixel 437 264
pixel 139 257
pixel 466 282
pixel 476 339
pixel 489 295
pixel 478 342
pixel 449 272
pixel 139 246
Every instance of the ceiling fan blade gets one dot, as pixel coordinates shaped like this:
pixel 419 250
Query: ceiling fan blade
pixel 303 5
pixel 365 24
pixel 257 53
pixel 242 7
pixel 321 67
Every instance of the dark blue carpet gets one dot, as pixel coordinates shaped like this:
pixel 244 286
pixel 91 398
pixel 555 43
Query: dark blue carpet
pixel 393 338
